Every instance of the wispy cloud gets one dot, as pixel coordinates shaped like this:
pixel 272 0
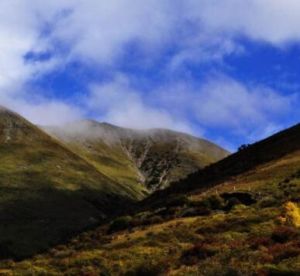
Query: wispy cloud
pixel 46 35
pixel 118 102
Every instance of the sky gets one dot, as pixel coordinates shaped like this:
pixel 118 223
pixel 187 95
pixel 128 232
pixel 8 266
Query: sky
pixel 225 70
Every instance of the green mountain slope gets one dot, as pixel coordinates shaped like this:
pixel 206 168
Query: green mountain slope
pixel 47 192
pixel 242 219
pixel 148 159
pixel 51 189
pixel 272 148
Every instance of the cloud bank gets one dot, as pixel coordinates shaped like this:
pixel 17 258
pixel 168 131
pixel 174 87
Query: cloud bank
pixel 45 36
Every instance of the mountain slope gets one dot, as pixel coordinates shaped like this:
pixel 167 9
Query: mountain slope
pixel 47 192
pixel 272 148
pixel 154 158
pixel 247 222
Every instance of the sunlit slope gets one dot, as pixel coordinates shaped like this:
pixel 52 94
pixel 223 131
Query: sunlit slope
pixel 102 148
pixel 145 160
pixel 46 191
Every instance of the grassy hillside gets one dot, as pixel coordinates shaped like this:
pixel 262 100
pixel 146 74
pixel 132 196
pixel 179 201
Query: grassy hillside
pixel 245 223
pixel 47 192
pixel 145 160
pixel 272 148
pixel 52 189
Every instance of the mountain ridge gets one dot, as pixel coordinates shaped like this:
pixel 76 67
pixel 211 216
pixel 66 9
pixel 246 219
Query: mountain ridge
pixel 241 161
pixel 50 190
pixel 156 149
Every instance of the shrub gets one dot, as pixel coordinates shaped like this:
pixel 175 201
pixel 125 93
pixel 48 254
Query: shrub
pixel 243 147
pixel 284 251
pixel 119 224
pixel 214 202
pixel 268 201
pixel 155 220
pixel 198 252
pixel 179 200
pixel 283 234
pixel 257 242
pixel 233 201
pixel 149 269
pixel 292 213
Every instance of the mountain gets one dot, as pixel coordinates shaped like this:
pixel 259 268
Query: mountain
pixel 47 192
pixel 53 188
pixel 239 216
pixel 148 159
pixel 247 159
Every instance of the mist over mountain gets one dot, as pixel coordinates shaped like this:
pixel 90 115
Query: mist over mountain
pixel 154 157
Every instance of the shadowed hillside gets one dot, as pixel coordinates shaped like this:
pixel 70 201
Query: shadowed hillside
pixel 47 191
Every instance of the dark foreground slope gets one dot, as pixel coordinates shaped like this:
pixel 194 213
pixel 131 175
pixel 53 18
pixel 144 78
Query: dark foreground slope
pixel 47 192
pixel 146 160
pixel 245 223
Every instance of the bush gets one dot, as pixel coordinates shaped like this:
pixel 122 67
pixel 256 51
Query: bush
pixel 243 147
pixel 284 251
pixel 155 220
pixel 119 224
pixel 268 201
pixel 214 202
pixel 149 269
pixel 283 234
pixel 233 201
pixel 198 252
pixel 257 242
pixel 179 200
pixel 292 213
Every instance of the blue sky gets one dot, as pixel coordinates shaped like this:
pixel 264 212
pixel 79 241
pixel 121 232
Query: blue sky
pixel 226 70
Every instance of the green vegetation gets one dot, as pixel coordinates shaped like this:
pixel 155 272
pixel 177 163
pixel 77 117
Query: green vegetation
pixel 246 226
pixel 48 193
pixel 51 191
pixel 239 216
pixel 144 161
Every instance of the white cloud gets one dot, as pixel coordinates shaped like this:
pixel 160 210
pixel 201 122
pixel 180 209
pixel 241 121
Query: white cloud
pixel 117 102
pixel 98 32
pixel 226 102
pixel 49 113
pixel 252 111
pixel 41 111
pixel 272 21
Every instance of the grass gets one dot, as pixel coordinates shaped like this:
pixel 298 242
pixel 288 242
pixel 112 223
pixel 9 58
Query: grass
pixel 144 161
pixel 261 238
pixel 237 217
pixel 50 191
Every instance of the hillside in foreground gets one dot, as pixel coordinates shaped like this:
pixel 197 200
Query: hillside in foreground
pixel 47 192
pixel 245 223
